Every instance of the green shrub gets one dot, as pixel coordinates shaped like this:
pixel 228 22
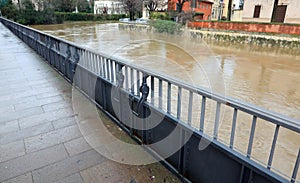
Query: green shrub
pixel 46 16
pixel 159 15
pixel 166 26
pixel 9 10
pixel 28 15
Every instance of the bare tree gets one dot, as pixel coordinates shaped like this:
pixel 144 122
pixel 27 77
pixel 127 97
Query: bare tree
pixel 132 7
pixel 152 5
pixel 179 5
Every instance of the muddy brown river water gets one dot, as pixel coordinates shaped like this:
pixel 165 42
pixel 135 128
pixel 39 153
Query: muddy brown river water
pixel 266 77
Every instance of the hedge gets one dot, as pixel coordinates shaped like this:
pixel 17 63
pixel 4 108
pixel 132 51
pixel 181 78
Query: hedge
pixel 166 26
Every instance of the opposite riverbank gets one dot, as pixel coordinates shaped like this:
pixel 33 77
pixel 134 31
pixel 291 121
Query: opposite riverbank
pixel 235 37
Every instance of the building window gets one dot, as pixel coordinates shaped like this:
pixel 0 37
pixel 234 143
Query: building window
pixel 256 11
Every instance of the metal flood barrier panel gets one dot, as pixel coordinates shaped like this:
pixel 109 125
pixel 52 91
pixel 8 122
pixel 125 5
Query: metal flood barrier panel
pixel 130 94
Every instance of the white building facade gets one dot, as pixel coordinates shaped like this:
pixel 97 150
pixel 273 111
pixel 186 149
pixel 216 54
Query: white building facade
pixel 288 11
pixel 108 7
pixel 217 9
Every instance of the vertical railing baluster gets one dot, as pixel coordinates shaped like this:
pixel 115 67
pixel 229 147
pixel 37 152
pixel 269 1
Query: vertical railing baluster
pixel 169 99
pixel 85 62
pixel 138 82
pixel 296 168
pixel 202 117
pixel 273 147
pixel 116 70
pixel 91 68
pixel 190 108
pixel 217 120
pixel 233 126
pixel 152 90
pixel 126 78
pixel 251 136
pixel 96 68
pixel 98 65
pixel 103 67
pixel 160 93
pixel 131 81
pixel 93 63
pixel 90 61
pixel 112 72
pixel 107 69
pixel 179 102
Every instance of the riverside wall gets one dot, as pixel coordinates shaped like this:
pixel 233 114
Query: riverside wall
pixel 236 37
pixel 248 27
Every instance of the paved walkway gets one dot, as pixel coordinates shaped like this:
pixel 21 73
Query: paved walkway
pixel 39 138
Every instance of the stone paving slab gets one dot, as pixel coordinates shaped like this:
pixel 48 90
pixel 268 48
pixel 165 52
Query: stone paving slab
pixel 12 150
pixel 40 140
pixel 31 161
pixel 25 133
pixel 64 122
pixel 9 126
pixel 75 178
pixel 26 178
pixel 77 146
pixel 44 117
pixel 69 166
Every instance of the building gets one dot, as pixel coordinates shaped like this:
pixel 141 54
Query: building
pixel 202 8
pixel 287 11
pixel 237 10
pixel 108 7
pixel 224 7
pixel 220 8
pixel 217 10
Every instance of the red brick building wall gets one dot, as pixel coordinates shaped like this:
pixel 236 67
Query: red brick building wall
pixel 204 7
pixel 248 27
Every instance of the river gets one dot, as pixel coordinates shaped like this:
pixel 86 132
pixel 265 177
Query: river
pixel 266 77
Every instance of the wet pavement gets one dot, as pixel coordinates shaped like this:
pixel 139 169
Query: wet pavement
pixel 40 140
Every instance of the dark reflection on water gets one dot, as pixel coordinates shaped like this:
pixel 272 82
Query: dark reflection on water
pixel 267 77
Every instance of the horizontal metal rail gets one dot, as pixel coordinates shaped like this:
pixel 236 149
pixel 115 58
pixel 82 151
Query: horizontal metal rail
pixel 166 93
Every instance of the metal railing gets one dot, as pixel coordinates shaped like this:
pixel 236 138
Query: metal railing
pixel 166 93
